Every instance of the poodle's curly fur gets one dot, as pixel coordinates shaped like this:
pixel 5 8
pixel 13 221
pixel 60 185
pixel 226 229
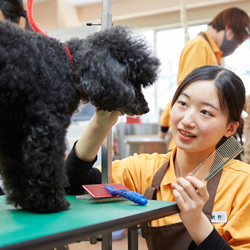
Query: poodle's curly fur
pixel 40 90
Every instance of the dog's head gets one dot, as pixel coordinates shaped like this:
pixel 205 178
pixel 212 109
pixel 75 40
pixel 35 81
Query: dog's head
pixel 113 66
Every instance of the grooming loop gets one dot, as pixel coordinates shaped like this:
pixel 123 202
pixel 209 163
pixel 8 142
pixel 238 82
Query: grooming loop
pixel 222 155
pixel 38 30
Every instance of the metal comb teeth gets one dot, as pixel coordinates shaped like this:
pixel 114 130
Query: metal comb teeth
pixel 214 162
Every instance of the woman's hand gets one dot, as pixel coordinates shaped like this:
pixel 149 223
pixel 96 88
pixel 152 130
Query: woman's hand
pixel 161 134
pixel 95 133
pixel 191 195
pixel 105 119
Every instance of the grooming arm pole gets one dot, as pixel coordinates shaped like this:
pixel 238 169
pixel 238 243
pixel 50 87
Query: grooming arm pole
pixel 106 14
pixel 107 159
pixel 107 144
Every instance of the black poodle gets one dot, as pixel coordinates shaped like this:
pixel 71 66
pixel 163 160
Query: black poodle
pixel 39 92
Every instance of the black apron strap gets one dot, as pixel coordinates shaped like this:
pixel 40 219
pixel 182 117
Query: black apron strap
pixel 205 37
pixel 150 192
pixel 212 186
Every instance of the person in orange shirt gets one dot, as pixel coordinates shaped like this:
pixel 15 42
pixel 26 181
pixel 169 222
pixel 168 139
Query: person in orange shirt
pixel 228 30
pixel 206 110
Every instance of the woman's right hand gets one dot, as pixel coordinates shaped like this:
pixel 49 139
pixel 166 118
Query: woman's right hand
pixel 95 133
pixel 106 119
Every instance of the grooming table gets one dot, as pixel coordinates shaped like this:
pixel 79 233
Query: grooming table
pixel 32 231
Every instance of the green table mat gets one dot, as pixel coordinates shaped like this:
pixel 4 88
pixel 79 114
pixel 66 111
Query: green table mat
pixel 18 225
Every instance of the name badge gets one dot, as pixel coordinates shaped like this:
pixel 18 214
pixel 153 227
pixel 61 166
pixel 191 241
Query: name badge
pixel 219 217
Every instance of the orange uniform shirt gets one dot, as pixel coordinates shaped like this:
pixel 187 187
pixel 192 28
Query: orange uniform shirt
pixel 196 53
pixel 165 116
pixel 233 194
pixel 165 122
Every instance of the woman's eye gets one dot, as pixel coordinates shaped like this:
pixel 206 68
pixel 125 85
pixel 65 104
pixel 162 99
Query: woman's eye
pixel 205 112
pixel 182 103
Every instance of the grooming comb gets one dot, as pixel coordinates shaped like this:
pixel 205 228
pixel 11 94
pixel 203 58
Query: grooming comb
pixel 221 156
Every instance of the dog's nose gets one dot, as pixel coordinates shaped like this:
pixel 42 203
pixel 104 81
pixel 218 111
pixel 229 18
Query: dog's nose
pixel 135 109
pixel 146 109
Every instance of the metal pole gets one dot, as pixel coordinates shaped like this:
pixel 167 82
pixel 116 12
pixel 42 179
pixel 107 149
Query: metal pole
pixel 107 159
pixel 183 17
pixel 106 14
pixel 107 144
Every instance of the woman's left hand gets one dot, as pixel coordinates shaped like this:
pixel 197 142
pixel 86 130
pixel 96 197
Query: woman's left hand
pixel 191 195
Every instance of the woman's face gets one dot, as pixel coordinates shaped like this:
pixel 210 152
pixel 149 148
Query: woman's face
pixel 197 121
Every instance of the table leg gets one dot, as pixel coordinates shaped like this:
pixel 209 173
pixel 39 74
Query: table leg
pixel 132 239
pixel 64 247
pixel 107 241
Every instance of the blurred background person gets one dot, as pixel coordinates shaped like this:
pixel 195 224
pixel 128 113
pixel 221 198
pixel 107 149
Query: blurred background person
pixel 227 31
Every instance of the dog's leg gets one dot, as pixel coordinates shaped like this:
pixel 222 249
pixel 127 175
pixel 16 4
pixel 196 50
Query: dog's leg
pixel 11 139
pixel 43 157
pixel 33 169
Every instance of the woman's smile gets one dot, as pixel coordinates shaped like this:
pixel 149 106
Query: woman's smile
pixel 186 136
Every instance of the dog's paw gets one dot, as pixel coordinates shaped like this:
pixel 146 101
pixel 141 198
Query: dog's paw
pixel 43 205
pixel 56 206
pixel 64 205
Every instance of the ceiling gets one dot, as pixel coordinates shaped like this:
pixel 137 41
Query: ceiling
pixel 82 2
pixel 64 14
pixel 72 2
pixel 91 2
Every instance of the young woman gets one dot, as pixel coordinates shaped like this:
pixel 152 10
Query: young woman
pixel 12 10
pixel 206 110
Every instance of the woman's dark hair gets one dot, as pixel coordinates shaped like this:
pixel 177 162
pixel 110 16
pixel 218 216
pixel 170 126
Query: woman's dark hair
pixel 230 89
pixel 234 18
pixel 13 10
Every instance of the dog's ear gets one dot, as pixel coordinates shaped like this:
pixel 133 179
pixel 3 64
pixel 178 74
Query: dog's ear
pixel 130 48
pixel 104 83
pixel 113 65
